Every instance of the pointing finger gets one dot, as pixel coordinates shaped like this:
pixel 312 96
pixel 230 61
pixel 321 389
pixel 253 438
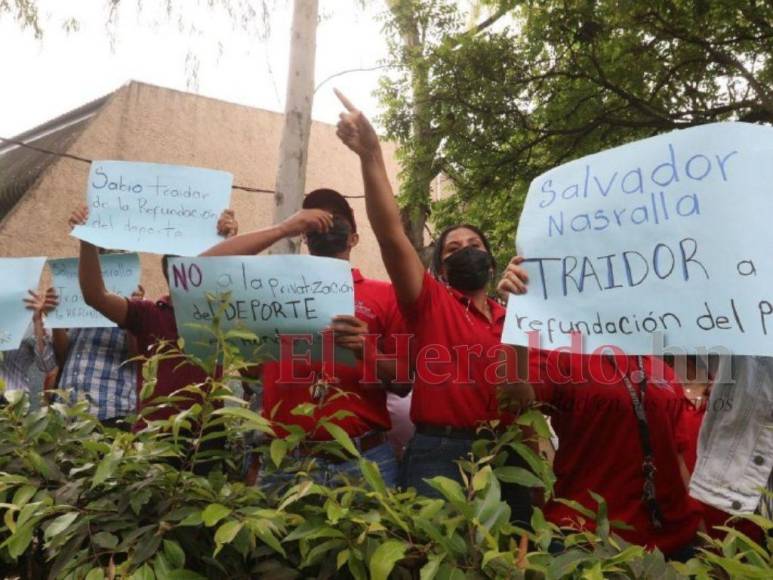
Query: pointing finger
pixel 344 101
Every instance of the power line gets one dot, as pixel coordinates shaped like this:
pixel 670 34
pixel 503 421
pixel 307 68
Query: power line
pixel 89 161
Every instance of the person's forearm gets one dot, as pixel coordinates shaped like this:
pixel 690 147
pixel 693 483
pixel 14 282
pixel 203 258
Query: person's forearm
pixel 40 333
pixel 61 342
pixel 90 274
pixel 248 244
pixel 402 263
pixel 95 294
pixel 380 204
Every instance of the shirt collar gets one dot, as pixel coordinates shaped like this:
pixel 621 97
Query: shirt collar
pixel 357 275
pixel 497 311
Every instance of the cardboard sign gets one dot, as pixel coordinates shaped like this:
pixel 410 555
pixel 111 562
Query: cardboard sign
pixel 121 273
pixel 147 207
pixel 18 275
pixel 662 242
pixel 267 295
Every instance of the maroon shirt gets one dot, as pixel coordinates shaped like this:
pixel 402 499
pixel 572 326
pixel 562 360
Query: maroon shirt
pixel 150 322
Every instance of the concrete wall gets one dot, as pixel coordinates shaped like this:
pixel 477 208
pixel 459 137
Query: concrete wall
pixel 148 123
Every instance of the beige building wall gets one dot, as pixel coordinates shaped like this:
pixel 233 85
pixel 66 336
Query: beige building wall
pixel 147 123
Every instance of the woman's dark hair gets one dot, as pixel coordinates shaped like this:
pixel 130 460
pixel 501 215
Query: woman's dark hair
pixel 437 252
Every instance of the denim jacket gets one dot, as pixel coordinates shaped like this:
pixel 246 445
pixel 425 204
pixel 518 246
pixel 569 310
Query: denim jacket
pixel 735 448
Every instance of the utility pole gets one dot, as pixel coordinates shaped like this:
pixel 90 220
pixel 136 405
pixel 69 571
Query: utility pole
pixel 293 149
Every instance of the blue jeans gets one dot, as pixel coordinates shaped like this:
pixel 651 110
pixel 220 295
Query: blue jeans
pixel 428 456
pixel 331 473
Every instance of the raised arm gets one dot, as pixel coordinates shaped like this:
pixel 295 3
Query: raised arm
pixel 95 294
pixel 251 243
pixel 41 305
pixel 400 258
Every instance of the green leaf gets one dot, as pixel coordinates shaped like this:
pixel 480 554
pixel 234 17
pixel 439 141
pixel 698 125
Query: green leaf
pixel 278 451
pixel 23 495
pixel 143 573
pixel 104 470
pixel 372 476
pixel 59 525
pixel 383 560
pixel 104 540
pixel 95 574
pixel 253 419
pixel 430 569
pixel 18 543
pixel 451 490
pixel 227 532
pixel 174 553
pixel 213 513
pixel 480 479
pixel 261 528
pixel 40 465
pixel 341 437
pixel 304 410
pixel 193 519
pixel 342 558
pixel 518 475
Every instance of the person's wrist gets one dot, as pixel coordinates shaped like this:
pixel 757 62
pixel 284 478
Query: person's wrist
pixel 285 230
pixel 371 153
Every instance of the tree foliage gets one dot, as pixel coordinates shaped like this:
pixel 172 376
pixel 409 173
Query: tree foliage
pixel 554 80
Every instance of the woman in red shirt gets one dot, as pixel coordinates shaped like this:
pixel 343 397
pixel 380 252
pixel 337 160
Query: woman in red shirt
pixel 617 419
pixel 456 326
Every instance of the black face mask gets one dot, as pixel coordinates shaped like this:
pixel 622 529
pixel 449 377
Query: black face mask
pixel 468 269
pixel 332 242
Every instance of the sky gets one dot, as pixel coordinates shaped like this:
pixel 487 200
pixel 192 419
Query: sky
pixel 44 78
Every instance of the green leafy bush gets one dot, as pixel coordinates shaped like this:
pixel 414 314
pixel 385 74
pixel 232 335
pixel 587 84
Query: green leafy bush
pixel 80 501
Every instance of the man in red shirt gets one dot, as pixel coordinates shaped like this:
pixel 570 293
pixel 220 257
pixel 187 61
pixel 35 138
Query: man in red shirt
pixel 328 225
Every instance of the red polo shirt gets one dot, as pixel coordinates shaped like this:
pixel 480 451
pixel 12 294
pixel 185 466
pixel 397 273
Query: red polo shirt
pixel 374 303
pixel 456 348
pixel 599 447
pixel 150 322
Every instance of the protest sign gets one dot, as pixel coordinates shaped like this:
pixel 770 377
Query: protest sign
pixel 664 242
pixel 148 207
pixel 121 273
pixel 18 275
pixel 266 295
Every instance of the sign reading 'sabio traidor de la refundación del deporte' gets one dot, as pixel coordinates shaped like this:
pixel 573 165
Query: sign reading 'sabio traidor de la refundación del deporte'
pixel 666 241
pixel 153 207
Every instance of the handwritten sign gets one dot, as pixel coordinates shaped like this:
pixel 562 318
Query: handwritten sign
pixel 267 295
pixel 18 275
pixel 121 273
pixel 664 242
pixel 147 207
